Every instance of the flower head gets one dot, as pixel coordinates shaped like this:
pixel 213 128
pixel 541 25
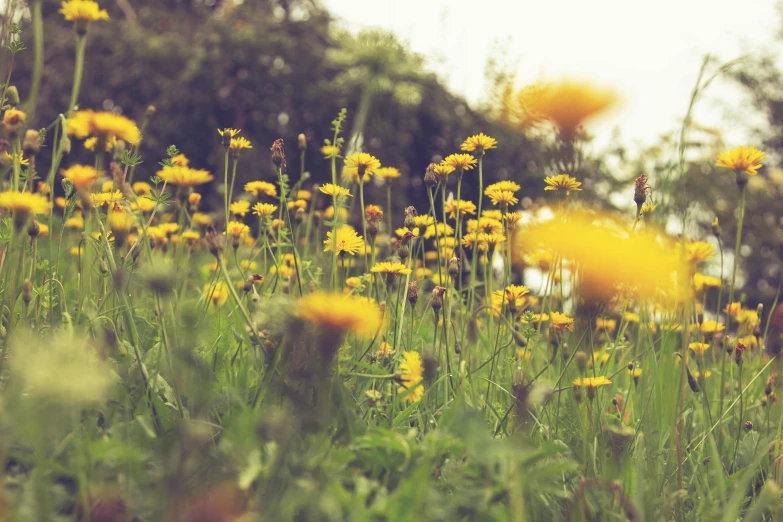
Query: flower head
pixel 504 185
pixel 562 322
pixel 264 209
pixel 565 103
pixel 460 162
pixel 503 198
pixel 334 190
pixel 479 143
pixel 562 183
pixel 82 11
pixel 23 204
pixel 216 294
pixel 330 151
pixel 459 207
pixel 338 314
pixel 345 241
pixel 238 144
pixel 411 376
pixel 511 298
pixel 360 165
pixel 390 267
pixel 82 176
pixel 261 187
pixel 388 173
pixel 105 198
pixel 102 125
pixel 442 170
pixel 240 208
pixel 742 160
pixel 592 382
pixel 184 176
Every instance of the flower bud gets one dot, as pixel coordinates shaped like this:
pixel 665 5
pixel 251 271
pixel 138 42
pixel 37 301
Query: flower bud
pixel 454 266
pixel 278 154
pixel 430 179
pixel 34 229
pixel 12 96
pixel 27 291
pixel 32 143
pixel 716 229
pixel 437 298
pixel 410 217
pixel 301 141
pixel 413 293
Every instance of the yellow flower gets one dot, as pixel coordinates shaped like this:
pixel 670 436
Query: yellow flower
pixel 592 382
pixel 191 236
pixel 605 324
pixel 562 322
pixel 387 173
pixel 388 267
pixel 261 187
pixel 104 198
pixel 442 170
pixel 184 176
pixel 23 204
pixel 701 281
pixel 460 162
pixel 19 156
pixel 511 298
pixel 404 230
pixel 697 374
pixel 709 326
pixel 443 230
pixel 492 240
pixel 82 176
pixel 698 251
pixel 199 218
pixel 13 117
pixel 264 209
pixel 329 212
pixel 411 376
pixel 479 143
pixel 699 348
pixel 497 215
pixel 347 241
pixel 216 294
pixel 334 190
pixel 91 143
pixel 142 188
pixel 648 207
pixel 180 160
pixel 339 314
pixel 360 164
pixel 503 198
pixel 237 229
pixel 565 103
pixel 102 125
pixel 75 222
pixel 485 225
pixel 742 160
pixel 330 151
pixel 237 144
pixel 505 185
pixel 228 132
pixel 353 282
pixel 82 11
pixel 145 204
pixel 239 208
pixel 562 183
pixel 607 255
pixel 631 317
pixel 473 240
pixel 461 207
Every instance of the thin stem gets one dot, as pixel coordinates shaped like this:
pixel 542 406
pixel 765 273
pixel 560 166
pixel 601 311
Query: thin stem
pixel 81 43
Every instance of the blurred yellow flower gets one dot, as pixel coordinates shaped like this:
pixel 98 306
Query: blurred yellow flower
pixel 184 176
pixel 338 314
pixel 566 103
pixel 562 183
pixel 562 322
pixel 334 190
pixel 239 208
pixel 216 294
pixel 82 176
pixel 388 173
pixel 102 125
pixel 411 376
pixel 82 11
pixel 264 209
pixel 261 187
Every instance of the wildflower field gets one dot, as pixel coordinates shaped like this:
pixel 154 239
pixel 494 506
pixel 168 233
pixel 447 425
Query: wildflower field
pixel 291 340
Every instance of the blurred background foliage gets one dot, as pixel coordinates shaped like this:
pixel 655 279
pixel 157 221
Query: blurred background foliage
pixel 277 68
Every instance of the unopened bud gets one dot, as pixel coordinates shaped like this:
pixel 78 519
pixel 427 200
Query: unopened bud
pixel 430 179
pixel 413 293
pixel 301 141
pixel 32 142
pixel 34 229
pixel 454 266
pixel 437 298
pixel 410 217
pixel 27 291
pixel 12 96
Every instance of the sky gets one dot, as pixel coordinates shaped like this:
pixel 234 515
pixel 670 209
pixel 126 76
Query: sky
pixel 650 51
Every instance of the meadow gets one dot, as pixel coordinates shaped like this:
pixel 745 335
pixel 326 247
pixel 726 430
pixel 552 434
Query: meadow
pixel 179 345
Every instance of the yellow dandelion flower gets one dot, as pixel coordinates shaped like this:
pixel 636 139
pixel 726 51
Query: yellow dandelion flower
pixel 442 170
pixel 142 188
pixel 701 281
pixel 199 218
pixel 330 151
pixel 459 207
pixel 592 382
pixel 699 348
pixel 485 225
pixel 360 164
pixel 411 376
pixel 504 185
pixel 562 183
pixel 238 144
pixel 460 162
pixel 264 209
pixel 75 222
pixel 91 143
pixel 261 187
pixel 388 173
pixel 216 294
pixel 562 322
pixel 185 177
pixel 479 143
pixel 631 317
pixel 23 204
pixel 648 207
pixel 337 314
pixel 503 198
pixel 512 298
pixel 742 160
pixel 334 190
pixel 228 132
pixel 82 11
pixel 441 230
pixel 389 267
pixel 709 326
pixel 566 103
pixel 404 230
pixel 512 219
pixel 104 198
pixel 82 176
pixel 191 236
pixel 347 241
pixel 602 323
pixel 239 208
pixel 698 251
pixel 102 125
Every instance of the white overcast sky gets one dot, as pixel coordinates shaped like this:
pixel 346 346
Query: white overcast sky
pixel 651 50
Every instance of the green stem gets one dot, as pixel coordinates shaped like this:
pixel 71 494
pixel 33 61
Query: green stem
pixel 38 44
pixel 81 43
